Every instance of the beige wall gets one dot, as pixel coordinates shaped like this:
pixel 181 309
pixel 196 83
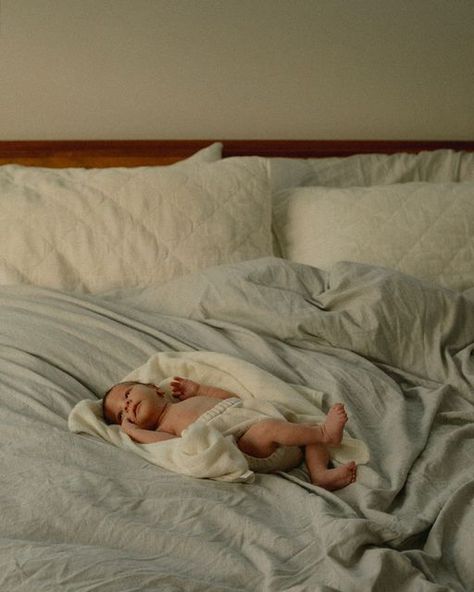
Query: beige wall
pixel 315 69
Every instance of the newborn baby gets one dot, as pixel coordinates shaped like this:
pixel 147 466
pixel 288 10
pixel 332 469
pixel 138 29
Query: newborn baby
pixel 144 413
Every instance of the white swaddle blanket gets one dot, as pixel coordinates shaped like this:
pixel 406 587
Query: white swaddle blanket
pixel 202 451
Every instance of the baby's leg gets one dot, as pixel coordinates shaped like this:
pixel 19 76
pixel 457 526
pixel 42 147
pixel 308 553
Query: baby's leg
pixel 317 460
pixel 258 440
pixel 263 438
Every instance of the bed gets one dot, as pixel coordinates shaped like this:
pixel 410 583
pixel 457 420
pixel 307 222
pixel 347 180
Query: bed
pixel 343 267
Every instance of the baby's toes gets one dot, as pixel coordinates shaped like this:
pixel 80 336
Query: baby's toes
pixel 353 472
pixel 342 412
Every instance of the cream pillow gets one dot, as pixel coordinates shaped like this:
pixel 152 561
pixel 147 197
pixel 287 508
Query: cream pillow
pixel 99 229
pixel 423 229
pixel 208 154
pixel 364 170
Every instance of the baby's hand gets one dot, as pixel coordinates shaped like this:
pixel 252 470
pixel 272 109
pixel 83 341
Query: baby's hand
pixel 183 388
pixel 128 427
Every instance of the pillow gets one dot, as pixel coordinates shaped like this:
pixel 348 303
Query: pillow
pixel 208 154
pixel 423 229
pixel 364 170
pixel 100 229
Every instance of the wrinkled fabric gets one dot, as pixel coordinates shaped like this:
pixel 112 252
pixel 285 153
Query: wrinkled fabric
pixel 79 513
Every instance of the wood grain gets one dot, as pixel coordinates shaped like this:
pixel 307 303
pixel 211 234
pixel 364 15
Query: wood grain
pixel 107 153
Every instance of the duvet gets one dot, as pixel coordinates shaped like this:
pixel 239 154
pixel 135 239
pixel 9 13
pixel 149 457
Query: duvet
pixel 81 514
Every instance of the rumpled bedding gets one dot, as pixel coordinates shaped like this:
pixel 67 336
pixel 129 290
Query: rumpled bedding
pixel 81 514
pixel 202 451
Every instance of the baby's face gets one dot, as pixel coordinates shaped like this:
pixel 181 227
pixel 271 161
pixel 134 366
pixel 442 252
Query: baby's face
pixel 139 403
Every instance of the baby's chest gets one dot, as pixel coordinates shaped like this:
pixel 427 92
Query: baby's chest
pixel 183 414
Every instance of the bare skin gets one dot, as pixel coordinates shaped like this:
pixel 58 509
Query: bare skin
pixel 146 417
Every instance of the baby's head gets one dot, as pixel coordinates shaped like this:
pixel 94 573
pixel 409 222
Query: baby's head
pixel 139 402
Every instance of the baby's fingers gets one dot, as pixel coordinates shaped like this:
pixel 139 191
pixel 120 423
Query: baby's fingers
pixel 176 386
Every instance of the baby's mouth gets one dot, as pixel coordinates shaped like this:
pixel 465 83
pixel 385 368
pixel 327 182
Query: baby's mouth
pixel 135 409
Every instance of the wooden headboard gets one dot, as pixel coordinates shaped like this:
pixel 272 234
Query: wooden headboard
pixel 105 153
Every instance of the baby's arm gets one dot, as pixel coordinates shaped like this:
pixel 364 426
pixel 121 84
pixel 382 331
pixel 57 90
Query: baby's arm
pixel 184 388
pixel 144 436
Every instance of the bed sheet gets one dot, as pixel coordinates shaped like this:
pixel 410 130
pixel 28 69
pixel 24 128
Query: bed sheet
pixel 80 514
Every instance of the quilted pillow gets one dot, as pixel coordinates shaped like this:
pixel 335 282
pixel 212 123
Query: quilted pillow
pixel 423 229
pixel 99 229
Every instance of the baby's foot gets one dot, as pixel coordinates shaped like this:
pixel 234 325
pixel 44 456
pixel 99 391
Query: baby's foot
pixel 333 427
pixel 333 479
